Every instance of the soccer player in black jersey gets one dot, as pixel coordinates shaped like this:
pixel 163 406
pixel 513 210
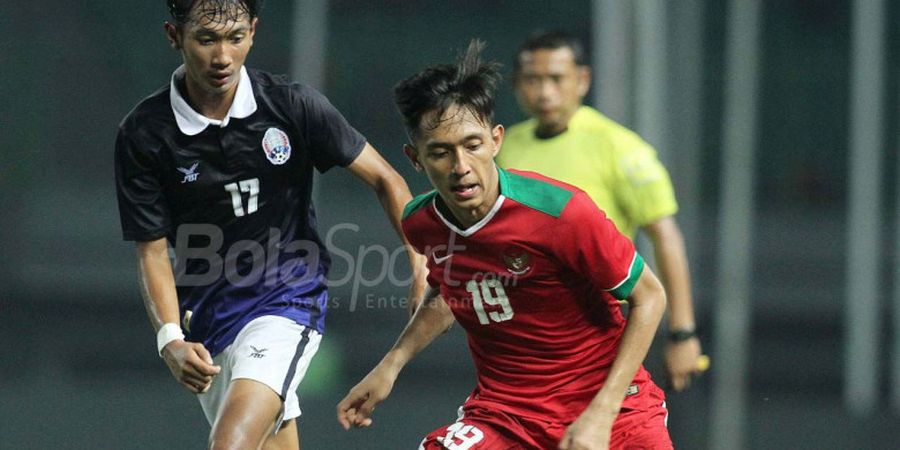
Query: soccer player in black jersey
pixel 219 164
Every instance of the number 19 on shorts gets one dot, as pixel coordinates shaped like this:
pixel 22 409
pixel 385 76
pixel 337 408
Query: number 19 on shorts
pixel 491 292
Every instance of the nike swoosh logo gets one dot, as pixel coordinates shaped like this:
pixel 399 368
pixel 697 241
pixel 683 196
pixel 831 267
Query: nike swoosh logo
pixel 440 259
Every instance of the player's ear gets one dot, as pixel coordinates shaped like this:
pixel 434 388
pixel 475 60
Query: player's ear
pixel 413 155
pixel 252 32
pixel 172 35
pixel 497 136
pixel 584 80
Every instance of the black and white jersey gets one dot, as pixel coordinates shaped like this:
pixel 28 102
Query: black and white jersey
pixel 233 197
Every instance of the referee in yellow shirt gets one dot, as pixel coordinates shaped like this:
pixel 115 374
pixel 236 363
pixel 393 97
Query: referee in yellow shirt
pixel 576 144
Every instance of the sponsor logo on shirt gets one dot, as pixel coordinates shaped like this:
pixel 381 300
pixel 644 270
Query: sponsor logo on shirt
pixel 440 259
pixel 190 174
pixel 277 147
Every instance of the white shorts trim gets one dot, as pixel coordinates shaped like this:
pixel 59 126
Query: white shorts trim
pixel 273 350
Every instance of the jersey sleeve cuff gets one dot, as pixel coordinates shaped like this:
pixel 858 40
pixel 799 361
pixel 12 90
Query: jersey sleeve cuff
pixel 624 288
pixel 145 236
pixel 346 159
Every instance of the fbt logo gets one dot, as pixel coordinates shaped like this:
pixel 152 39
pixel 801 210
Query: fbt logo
pixel 258 352
pixel 190 174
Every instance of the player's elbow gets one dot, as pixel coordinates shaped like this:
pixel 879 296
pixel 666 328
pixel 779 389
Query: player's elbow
pixel 390 181
pixel 649 295
pixel 443 317
pixel 447 323
pixel 658 299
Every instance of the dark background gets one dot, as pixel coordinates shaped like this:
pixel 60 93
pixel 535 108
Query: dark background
pixel 77 362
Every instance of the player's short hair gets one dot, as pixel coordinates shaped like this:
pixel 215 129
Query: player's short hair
pixel 212 11
pixel 470 84
pixel 551 40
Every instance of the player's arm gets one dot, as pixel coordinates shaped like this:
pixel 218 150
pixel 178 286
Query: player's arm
pixel 671 260
pixel 190 363
pixel 393 193
pixel 589 244
pixel 594 425
pixel 430 320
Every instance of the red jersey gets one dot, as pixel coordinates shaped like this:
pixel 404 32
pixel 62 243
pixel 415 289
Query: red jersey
pixel 534 284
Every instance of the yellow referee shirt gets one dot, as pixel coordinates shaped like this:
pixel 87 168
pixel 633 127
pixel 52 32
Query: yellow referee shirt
pixel 611 163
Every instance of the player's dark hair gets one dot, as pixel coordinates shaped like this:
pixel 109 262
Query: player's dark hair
pixel 470 84
pixel 551 40
pixel 217 12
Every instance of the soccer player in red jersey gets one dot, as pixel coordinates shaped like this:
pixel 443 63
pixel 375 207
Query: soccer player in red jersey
pixel 532 271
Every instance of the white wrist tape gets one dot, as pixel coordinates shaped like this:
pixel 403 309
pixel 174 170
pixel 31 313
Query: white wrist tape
pixel 167 333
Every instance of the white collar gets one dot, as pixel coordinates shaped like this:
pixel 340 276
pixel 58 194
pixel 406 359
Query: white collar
pixel 191 122
pixel 477 226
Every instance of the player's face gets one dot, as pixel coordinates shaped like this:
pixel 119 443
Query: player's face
pixel 214 51
pixel 458 157
pixel 550 86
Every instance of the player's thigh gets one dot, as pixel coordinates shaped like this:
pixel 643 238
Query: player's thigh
pixel 276 352
pixel 247 416
pixel 267 360
pixel 641 430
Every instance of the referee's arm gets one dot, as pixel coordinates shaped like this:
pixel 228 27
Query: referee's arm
pixel 671 258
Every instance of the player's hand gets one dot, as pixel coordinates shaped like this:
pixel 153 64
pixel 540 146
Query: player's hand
pixel 190 364
pixel 356 408
pixel 682 362
pixel 590 431
pixel 419 282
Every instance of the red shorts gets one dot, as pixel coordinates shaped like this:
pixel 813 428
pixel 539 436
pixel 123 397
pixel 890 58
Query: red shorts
pixel 481 429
